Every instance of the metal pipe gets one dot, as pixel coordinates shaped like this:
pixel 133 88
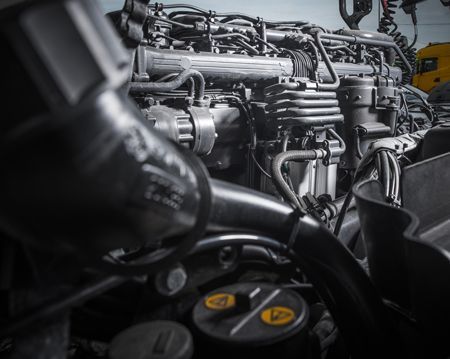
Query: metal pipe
pixel 335 78
pixel 342 146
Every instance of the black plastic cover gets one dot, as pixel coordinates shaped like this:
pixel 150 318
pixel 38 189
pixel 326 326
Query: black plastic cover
pixel 158 339
pixel 409 254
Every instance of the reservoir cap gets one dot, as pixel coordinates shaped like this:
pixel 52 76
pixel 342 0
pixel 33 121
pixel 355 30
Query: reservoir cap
pixel 251 314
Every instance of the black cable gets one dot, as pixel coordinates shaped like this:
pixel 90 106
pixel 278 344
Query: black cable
pixel 359 173
pixel 405 104
pixel 359 153
pixel 426 106
pixel 263 171
pixel 411 123
pixel 416 34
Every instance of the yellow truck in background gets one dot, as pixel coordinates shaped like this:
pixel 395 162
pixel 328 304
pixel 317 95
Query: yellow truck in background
pixel 432 66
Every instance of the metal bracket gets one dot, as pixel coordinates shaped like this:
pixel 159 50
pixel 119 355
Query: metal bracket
pixel 333 150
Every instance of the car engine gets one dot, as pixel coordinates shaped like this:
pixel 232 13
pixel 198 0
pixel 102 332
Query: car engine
pixel 185 183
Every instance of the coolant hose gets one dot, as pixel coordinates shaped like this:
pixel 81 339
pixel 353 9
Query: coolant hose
pixel 139 87
pixel 277 175
pixel 230 211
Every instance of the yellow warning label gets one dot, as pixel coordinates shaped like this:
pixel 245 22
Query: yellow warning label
pixel 220 301
pixel 277 316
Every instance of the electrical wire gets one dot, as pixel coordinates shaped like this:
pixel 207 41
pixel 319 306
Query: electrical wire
pixel 360 172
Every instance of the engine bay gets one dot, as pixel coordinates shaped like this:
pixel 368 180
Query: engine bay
pixel 185 183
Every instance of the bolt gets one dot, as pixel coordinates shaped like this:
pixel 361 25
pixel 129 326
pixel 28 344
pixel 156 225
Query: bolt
pixel 189 101
pixel 176 279
pixel 171 281
pixel 227 256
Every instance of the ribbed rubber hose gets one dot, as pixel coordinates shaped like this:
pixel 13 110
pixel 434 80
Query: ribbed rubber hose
pixel 277 176
pixel 144 87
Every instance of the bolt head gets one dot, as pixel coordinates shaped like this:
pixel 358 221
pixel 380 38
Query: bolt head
pixel 176 279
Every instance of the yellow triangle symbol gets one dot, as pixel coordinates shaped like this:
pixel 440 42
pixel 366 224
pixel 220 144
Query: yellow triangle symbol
pixel 279 314
pixel 221 301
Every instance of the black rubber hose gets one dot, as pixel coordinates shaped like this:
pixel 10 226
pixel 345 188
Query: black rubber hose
pixel 139 87
pixel 230 211
pixel 191 83
pixel 277 176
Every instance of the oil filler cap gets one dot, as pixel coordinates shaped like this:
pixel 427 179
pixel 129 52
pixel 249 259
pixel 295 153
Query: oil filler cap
pixel 251 314
pixel 153 340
